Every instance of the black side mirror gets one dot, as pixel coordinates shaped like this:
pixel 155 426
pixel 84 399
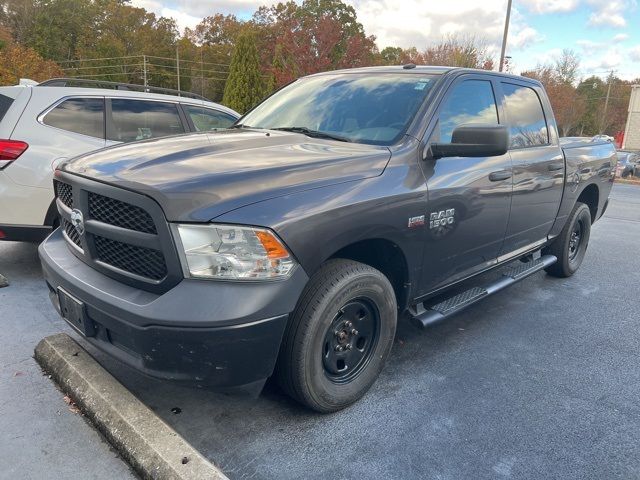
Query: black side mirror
pixel 474 140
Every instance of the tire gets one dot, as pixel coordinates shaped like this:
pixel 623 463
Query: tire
pixel 570 246
pixel 311 368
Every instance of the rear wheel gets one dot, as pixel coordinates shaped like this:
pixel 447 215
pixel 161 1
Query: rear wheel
pixel 571 245
pixel 339 337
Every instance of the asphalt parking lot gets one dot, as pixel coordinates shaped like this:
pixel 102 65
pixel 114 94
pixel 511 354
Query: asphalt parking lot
pixel 539 381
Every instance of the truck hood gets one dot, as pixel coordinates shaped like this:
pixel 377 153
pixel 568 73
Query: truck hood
pixel 197 177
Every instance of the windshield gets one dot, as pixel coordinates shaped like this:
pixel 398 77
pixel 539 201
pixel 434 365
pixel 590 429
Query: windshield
pixel 363 108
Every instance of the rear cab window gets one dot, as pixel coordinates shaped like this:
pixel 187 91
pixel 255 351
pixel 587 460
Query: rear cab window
pixel 206 119
pixel 133 120
pixel 525 116
pixel 471 101
pixel 79 115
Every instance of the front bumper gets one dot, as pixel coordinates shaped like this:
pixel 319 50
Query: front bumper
pixel 213 333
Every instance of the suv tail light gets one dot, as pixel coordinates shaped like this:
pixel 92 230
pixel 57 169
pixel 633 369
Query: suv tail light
pixel 11 150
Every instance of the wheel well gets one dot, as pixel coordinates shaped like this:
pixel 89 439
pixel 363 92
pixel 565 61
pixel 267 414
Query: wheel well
pixel 590 196
pixel 385 256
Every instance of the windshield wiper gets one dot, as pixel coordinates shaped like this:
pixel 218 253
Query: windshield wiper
pixel 313 133
pixel 241 125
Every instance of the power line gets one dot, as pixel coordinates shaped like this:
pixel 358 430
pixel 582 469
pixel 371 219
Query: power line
pixel 81 60
pixel 96 59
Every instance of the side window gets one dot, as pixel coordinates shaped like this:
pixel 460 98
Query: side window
pixel 140 119
pixel 471 101
pixel 78 115
pixel 527 124
pixel 205 119
pixel 5 105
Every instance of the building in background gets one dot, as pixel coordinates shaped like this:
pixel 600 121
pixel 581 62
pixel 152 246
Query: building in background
pixel 632 130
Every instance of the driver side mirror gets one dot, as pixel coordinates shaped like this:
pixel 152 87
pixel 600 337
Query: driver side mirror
pixel 473 140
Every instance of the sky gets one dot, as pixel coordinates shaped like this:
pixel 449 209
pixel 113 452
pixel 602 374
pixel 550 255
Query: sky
pixel 604 33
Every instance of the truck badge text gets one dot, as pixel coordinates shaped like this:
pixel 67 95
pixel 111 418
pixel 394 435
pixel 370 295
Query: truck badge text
pixel 442 218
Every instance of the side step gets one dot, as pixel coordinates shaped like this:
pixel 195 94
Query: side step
pixel 424 317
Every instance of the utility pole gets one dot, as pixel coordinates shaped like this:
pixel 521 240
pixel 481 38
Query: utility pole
pixel 504 35
pixel 178 65
pixel 144 69
pixel 606 103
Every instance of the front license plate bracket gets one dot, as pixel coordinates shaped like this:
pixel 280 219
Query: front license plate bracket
pixel 75 313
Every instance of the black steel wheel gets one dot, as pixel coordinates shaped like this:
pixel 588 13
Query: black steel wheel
pixel 339 336
pixel 571 245
pixel 350 340
pixel 574 240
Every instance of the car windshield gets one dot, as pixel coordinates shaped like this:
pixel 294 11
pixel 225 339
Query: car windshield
pixel 363 108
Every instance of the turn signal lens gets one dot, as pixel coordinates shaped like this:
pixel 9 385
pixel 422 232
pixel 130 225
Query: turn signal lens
pixel 271 244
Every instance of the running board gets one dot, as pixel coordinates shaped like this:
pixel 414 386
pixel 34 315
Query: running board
pixel 424 317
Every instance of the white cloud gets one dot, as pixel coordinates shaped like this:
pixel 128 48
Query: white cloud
pixel 547 57
pixel 525 37
pixel 589 47
pixel 634 53
pixel 550 6
pixel 610 13
pixel 621 37
pixel 184 20
pixel 418 23
pixel 609 60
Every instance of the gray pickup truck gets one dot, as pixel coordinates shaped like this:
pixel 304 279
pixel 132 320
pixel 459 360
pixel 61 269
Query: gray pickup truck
pixel 289 244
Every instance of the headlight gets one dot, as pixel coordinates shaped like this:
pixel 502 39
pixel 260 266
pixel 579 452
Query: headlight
pixel 232 252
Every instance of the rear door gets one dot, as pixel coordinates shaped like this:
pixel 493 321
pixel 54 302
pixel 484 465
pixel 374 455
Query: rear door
pixel 469 198
pixel 538 166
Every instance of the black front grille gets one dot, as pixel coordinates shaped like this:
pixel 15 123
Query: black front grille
pixel 71 232
pixel 121 214
pixel 140 253
pixel 64 193
pixel 139 260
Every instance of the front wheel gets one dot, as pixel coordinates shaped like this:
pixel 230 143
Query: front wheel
pixel 339 337
pixel 571 245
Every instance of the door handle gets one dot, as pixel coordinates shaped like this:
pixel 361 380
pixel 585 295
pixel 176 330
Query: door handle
pixel 554 167
pixel 499 175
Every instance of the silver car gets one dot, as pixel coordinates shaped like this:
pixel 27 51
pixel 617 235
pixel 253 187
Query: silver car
pixel 44 124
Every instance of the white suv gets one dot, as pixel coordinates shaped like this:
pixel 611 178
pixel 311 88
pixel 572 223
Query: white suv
pixel 43 124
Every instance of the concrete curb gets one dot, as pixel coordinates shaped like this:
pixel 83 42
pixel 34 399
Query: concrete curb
pixel 152 448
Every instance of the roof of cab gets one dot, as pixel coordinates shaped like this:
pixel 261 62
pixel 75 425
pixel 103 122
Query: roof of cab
pixel 426 70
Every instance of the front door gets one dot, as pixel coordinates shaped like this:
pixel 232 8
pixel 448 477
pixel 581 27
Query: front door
pixel 469 198
pixel 538 168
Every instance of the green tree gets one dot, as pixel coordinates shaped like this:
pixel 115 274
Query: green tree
pixel 244 87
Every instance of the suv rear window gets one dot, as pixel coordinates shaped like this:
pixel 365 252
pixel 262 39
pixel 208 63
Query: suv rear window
pixel 139 119
pixel 78 115
pixel 5 104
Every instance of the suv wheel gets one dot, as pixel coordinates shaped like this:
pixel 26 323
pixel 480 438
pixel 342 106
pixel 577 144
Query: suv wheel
pixel 571 245
pixel 339 336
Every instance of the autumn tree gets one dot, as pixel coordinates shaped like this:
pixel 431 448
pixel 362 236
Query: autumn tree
pixel 18 62
pixel 452 50
pixel 244 87
pixel 315 36
pixel 558 79
pixel 459 51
